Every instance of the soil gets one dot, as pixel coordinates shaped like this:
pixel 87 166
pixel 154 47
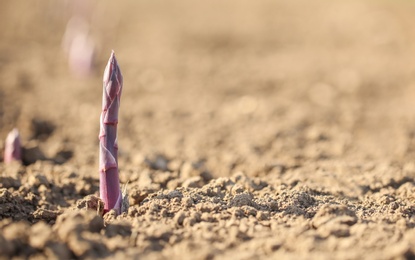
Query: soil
pixel 247 130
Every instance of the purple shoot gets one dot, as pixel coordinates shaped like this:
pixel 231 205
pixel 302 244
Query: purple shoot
pixel 109 186
pixel 13 149
pixel 81 55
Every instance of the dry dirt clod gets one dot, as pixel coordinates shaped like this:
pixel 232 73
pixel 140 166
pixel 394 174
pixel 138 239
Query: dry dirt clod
pixel 6 247
pixel 75 221
pixel 40 234
pixel 46 215
pixel 91 202
pixel 242 199
pixel 110 216
pixel 193 182
pixel 179 218
pixel 118 227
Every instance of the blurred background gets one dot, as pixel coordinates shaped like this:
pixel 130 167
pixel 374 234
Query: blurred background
pixel 257 86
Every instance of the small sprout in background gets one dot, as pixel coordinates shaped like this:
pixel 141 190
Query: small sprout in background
pixel 110 191
pixel 79 47
pixel 81 55
pixel 13 147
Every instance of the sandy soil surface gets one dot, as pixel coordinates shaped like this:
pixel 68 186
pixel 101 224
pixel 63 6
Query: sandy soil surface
pixel 248 130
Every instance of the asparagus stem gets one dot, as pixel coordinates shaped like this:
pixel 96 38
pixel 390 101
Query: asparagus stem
pixel 110 191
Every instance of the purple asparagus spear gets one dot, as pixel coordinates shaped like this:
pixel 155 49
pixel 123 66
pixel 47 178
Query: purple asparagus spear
pixel 13 150
pixel 110 191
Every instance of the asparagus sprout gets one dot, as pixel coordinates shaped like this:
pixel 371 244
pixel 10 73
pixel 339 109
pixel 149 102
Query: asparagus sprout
pixel 13 150
pixel 110 191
